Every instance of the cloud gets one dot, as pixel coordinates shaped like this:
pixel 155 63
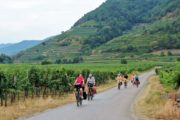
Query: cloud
pixel 38 19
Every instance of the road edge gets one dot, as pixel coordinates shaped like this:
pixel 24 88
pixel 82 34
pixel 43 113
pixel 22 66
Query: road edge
pixel 134 113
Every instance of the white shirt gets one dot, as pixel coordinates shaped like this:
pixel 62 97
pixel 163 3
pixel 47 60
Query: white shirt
pixel 91 80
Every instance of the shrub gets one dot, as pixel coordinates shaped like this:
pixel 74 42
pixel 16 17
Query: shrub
pixel 123 61
pixel 46 62
pixel 178 59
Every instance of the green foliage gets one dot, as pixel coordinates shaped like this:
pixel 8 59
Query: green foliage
pixel 169 53
pixel 162 54
pixel 46 62
pixel 53 80
pixel 178 59
pixel 163 34
pixel 69 61
pixel 114 17
pixel 170 76
pixel 123 61
pixel 37 80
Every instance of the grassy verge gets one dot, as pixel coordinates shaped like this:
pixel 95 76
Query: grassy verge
pixel 31 106
pixel 151 105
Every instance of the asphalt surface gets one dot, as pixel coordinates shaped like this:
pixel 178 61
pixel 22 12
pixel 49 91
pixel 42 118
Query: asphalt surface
pixel 113 104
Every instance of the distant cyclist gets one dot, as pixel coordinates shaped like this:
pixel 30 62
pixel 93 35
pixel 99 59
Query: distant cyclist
pixel 132 78
pixel 125 80
pixel 136 80
pixel 119 79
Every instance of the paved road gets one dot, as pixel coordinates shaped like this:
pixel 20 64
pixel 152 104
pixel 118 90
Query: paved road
pixel 110 105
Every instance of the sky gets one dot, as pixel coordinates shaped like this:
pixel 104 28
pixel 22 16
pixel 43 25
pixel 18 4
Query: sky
pixel 39 19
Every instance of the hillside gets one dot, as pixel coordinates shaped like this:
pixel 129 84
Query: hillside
pixel 117 26
pixel 162 33
pixel 13 49
pixel 5 45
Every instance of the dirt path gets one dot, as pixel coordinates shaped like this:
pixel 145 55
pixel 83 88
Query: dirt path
pixel 110 105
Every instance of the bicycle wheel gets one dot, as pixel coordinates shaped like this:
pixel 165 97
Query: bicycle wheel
pixel 80 101
pixel 125 84
pixel 77 100
pixel 88 95
pixel 119 86
pixel 91 93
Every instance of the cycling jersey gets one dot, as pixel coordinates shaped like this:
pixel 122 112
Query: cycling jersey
pixel 79 80
pixel 91 80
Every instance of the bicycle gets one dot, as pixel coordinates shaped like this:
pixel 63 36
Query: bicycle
pixel 125 84
pixel 90 92
pixel 136 83
pixel 78 97
pixel 119 85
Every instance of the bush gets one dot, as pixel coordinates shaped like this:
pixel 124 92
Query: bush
pixel 162 54
pixel 46 62
pixel 178 59
pixel 123 61
pixel 169 53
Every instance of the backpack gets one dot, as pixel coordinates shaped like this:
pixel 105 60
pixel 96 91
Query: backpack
pixel 84 95
pixel 126 76
pixel 136 78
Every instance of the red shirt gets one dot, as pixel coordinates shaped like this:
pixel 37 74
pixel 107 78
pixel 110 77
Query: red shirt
pixel 79 80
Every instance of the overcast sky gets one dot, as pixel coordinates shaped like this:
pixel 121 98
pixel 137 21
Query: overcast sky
pixel 38 19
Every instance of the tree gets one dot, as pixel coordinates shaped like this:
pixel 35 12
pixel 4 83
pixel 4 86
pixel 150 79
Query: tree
pixel 169 53
pixel 5 59
pixel 77 60
pixel 58 61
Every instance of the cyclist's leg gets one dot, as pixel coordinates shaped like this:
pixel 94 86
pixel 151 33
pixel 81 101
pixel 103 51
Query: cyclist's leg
pixel 81 91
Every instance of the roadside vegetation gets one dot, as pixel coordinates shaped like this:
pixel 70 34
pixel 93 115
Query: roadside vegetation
pixel 157 101
pixel 153 103
pixel 170 76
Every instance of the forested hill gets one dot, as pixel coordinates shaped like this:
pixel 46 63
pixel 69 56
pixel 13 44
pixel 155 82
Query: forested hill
pixel 13 49
pixel 116 26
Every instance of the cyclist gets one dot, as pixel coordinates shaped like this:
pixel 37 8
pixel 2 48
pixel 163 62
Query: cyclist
pixel 91 81
pixel 132 79
pixel 79 83
pixel 136 79
pixel 125 79
pixel 119 79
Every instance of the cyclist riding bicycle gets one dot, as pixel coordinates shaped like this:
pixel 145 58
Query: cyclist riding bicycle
pixel 91 81
pixel 119 79
pixel 79 83
pixel 90 84
pixel 137 79
pixel 132 78
pixel 125 80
